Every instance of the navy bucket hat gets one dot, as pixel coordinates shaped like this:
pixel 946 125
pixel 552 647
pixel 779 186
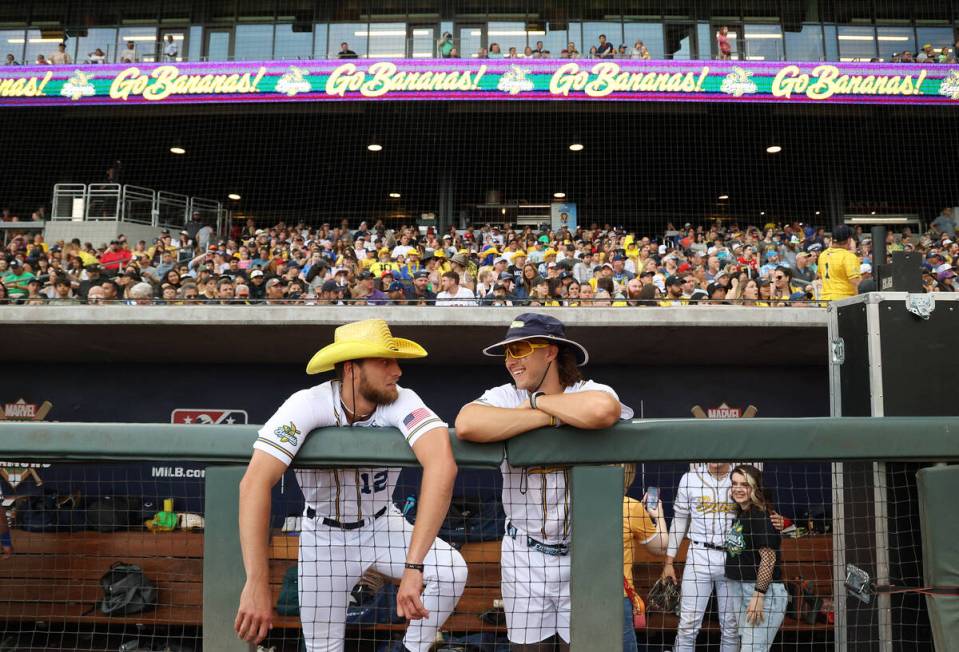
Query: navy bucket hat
pixel 532 326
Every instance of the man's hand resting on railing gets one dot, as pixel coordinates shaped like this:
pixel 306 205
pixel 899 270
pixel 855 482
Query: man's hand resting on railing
pixel 254 619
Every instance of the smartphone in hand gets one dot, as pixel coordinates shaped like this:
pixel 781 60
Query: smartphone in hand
pixel 652 498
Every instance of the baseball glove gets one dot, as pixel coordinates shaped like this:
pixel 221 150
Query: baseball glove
pixel 664 596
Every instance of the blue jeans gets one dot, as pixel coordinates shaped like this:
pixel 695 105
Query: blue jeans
pixel 760 637
pixel 629 634
pixel 630 642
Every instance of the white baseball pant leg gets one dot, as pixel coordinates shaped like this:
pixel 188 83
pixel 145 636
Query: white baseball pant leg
pixel 704 571
pixel 444 575
pixel 536 592
pixel 331 562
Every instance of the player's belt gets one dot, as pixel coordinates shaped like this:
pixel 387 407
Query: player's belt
pixel 329 522
pixel 552 549
pixel 711 546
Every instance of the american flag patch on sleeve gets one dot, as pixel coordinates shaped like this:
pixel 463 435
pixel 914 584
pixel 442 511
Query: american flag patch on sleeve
pixel 416 417
pixel 419 421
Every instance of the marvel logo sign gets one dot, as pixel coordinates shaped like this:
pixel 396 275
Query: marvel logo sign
pixel 724 412
pixel 22 411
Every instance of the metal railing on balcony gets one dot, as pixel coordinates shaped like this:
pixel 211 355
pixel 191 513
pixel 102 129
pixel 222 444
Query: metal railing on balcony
pixel 112 202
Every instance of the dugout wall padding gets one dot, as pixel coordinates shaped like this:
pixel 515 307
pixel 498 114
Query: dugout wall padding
pixel 938 488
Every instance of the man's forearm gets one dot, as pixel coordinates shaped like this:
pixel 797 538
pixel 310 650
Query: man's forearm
pixel 676 535
pixel 484 423
pixel 589 410
pixel 254 524
pixel 436 489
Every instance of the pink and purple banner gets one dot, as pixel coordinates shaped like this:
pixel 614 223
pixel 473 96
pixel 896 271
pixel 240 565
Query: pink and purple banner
pixel 480 80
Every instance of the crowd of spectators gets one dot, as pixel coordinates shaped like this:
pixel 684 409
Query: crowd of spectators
pixel 447 49
pixel 169 51
pixel 774 265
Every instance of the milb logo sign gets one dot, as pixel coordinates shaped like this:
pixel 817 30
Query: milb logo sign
pixel 209 417
pixel 201 417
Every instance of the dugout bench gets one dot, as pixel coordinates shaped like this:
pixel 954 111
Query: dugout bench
pixel 54 579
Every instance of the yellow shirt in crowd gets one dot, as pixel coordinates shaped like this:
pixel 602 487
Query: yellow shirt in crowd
pixel 638 528
pixel 837 266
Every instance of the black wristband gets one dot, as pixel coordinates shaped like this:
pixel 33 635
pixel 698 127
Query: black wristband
pixel 761 591
pixel 533 397
pixel 418 567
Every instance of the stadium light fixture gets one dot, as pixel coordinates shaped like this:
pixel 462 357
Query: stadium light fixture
pixel 176 149
pixel 773 149
pixel 559 195
pixel 374 147
pixel 576 147
pixel 722 197
pixel 762 212
pixel 877 220
pixel 233 196
pixel 818 212
pixel 395 195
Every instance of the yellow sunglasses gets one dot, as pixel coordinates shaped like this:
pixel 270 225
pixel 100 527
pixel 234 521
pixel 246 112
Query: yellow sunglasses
pixel 523 348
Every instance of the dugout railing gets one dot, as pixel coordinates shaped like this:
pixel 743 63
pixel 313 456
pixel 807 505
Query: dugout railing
pixel 597 487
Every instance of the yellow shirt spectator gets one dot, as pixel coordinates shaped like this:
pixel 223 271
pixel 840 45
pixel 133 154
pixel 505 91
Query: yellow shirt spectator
pixel 839 271
pixel 379 268
pixel 638 529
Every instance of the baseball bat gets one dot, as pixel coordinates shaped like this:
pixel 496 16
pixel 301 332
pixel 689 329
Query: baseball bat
pixel 43 411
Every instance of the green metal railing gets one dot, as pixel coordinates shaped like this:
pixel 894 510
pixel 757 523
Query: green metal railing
pixel 596 575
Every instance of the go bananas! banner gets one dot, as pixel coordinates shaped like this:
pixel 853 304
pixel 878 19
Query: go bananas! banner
pixel 481 79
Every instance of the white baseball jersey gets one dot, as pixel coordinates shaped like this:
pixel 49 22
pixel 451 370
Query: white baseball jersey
pixel 704 501
pixel 342 494
pixel 536 499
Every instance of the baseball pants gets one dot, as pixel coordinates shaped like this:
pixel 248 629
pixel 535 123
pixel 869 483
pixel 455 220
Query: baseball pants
pixel 536 594
pixel 705 571
pixel 332 560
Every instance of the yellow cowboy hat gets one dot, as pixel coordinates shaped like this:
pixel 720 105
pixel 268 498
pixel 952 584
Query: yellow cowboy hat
pixel 370 338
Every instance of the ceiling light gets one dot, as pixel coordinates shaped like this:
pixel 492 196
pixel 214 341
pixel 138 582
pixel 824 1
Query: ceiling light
pixel 873 213
pixel 503 211
pixel 177 150
pixel 877 220
pixel 721 197
pixel 559 195
pixel 576 147
pixel 394 195
pixel 817 212
pixel 773 149
pixel 233 196
pixel 374 147
pixel 762 212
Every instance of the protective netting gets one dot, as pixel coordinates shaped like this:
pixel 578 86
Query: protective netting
pixel 687 202
pixel 103 556
pixel 334 581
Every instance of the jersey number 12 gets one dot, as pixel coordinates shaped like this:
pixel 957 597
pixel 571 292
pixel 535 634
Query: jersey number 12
pixel 379 482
